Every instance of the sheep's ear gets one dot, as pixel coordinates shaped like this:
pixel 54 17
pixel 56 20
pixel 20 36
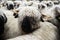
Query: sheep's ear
pixel 41 19
pixel 15 13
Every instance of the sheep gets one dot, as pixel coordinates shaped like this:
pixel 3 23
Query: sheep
pixel 49 4
pixel 56 2
pixel 43 9
pixel 10 5
pixel 3 20
pixel 11 27
pixel 47 31
pixel 25 15
pixel 52 15
pixel 47 13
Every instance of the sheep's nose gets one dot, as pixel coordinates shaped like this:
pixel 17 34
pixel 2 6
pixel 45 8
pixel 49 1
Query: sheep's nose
pixel 12 7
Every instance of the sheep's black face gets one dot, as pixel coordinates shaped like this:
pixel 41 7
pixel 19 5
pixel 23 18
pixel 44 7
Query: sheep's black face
pixel 27 24
pixel 9 7
pixel 1 24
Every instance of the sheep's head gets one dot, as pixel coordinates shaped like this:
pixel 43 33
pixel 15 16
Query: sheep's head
pixel 16 5
pixel 49 4
pixel 55 19
pixel 10 5
pixel 41 6
pixel 29 19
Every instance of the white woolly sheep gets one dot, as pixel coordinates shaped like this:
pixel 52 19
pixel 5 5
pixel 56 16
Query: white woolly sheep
pixel 28 16
pixel 47 31
pixel 11 27
pixel 3 20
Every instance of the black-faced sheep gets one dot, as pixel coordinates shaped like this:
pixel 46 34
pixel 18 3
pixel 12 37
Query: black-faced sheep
pixel 28 18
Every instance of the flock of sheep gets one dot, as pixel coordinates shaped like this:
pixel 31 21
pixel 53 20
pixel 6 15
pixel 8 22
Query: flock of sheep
pixel 30 20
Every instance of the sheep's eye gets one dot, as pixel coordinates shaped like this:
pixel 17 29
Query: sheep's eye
pixel 48 4
pixel 18 5
pixel 43 6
